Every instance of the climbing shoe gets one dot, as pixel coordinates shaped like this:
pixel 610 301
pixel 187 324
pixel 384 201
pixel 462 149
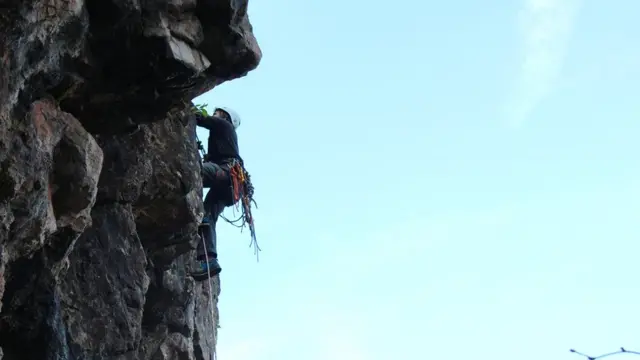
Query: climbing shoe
pixel 212 268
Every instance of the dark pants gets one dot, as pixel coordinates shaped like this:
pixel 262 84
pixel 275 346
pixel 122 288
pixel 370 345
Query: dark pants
pixel 217 178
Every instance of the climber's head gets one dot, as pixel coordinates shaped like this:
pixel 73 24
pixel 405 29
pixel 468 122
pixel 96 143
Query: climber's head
pixel 228 114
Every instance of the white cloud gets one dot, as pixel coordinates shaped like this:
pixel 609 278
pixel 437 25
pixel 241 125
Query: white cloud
pixel 340 335
pixel 249 348
pixel 343 347
pixel 314 331
pixel 546 28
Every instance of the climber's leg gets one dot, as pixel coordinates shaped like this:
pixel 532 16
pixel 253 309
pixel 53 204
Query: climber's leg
pixel 213 175
pixel 218 180
pixel 208 232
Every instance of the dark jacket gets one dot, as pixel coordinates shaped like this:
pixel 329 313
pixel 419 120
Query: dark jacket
pixel 222 146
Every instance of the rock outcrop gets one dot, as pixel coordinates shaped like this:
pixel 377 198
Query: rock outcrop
pixel 100 190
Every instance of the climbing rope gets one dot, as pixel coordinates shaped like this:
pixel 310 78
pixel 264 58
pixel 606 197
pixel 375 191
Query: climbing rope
pixel 212 351
pixel 242 189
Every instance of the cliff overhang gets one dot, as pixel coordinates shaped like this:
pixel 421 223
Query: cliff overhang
pixel 100 190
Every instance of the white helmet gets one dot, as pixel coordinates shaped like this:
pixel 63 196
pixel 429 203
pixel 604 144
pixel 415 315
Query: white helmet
pixel 235 118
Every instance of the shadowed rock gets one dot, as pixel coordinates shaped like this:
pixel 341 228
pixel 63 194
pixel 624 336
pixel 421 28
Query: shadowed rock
pixel 100 188
pixel 49 177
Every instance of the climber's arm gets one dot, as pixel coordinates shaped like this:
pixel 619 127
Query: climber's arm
pixel 204 121
pixel 209 122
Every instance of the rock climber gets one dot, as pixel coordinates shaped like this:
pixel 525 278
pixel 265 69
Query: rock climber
pixel 228 182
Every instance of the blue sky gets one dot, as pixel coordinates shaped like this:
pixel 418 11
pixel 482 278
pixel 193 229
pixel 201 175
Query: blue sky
pixel 437 180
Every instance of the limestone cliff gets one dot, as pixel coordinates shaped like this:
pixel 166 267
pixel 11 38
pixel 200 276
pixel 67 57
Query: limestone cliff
pixel 100 190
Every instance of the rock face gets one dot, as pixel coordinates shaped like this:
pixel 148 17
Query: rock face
pixel 100 189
